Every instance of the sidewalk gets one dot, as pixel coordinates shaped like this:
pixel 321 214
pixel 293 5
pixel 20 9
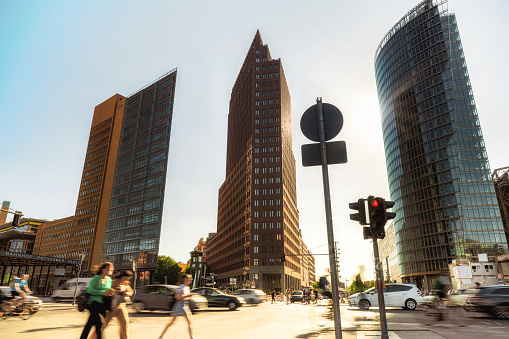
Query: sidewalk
pixel 330 334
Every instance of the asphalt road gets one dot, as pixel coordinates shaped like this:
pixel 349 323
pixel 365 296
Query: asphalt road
pixel 265 321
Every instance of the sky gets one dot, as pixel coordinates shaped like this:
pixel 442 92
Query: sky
pixel 60 59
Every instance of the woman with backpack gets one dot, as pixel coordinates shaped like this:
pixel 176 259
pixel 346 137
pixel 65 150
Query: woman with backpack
pixel 181 307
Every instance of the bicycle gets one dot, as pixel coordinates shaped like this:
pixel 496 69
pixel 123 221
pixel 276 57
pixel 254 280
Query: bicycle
pixel 24 311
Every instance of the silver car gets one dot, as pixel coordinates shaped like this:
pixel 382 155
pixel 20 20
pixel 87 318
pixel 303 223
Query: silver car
pixel 161 297
pixel 252 296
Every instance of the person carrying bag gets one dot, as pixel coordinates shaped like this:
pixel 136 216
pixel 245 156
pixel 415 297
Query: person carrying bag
pixel 99 291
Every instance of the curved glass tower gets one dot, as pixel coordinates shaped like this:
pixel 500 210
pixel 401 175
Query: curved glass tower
pixel 437 166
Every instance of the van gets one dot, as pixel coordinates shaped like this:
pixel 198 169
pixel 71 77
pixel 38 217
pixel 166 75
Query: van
pixel 66 290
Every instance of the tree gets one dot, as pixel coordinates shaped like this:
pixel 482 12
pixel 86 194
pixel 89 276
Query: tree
pixel 357 286
pixel 316 285
pixel 167 267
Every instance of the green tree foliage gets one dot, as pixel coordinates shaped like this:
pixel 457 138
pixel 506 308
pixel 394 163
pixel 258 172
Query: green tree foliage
pixel 358 285
pixel 315 285
pixel 167 267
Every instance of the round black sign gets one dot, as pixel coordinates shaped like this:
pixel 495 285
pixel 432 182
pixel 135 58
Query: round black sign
pixel 332 120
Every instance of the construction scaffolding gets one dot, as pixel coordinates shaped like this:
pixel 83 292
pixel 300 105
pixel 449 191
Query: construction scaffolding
pixel 501 182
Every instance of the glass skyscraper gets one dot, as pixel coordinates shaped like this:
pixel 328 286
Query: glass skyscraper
pixel 135 213
pixel 437 165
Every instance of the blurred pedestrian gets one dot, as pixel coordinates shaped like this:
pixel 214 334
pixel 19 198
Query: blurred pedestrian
pixel 123 291
pixel 99 289
pixel 181 307
pixel 287 296
pixel 273 294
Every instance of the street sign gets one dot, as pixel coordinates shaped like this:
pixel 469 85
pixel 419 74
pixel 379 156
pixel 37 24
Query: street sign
pixel 332 120
pixel 336 153
pixel 233 281
pixel 499 276
pixel 500 281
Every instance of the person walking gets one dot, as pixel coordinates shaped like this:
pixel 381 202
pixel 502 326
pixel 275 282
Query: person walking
pixel 99 289
pixel 123 291
pixel 181 307
pixel 273 294
pixel 287 296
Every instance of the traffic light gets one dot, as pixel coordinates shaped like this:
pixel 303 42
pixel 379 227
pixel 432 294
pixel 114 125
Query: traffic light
pixel 15 220
pixel 378 215
pixel 389 215
pixel 358 206
pixel 283 259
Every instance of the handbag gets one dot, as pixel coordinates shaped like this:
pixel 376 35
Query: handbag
pixel 83 301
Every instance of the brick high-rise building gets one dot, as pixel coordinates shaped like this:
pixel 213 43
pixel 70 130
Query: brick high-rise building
pixel 120 201
pixel 258 218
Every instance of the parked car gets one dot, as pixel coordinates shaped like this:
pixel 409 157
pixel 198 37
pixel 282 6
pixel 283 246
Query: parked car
pixel 395 295
pixel 66 290
pixel 161 297
pixel 493 300
pixel 297 296
pixel 218 298
pixel 252 296
pixel 34 302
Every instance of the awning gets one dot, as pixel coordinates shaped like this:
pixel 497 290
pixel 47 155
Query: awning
pixel 23 259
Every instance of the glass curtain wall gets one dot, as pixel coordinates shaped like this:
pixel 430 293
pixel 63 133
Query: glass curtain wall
pixel 437 165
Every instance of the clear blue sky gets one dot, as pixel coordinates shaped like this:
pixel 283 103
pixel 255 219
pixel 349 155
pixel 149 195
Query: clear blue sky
pixel 59 59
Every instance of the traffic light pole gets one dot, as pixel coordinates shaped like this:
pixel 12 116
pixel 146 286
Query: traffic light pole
pixel 82 256
pixel 328 215
pixel 379 288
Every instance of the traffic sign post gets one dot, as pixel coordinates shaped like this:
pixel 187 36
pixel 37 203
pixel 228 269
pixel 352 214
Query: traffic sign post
pixel 322 122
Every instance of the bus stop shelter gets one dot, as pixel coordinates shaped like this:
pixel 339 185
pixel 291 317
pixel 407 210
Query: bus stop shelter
pixel 36 266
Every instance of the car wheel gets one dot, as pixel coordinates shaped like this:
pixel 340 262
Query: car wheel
pixel 410 304
pixel 364 304
pixel 501 312
pixel 57 300
pixel 138 306
pixel 232 305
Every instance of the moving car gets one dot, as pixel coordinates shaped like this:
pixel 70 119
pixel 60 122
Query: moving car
pixel 395 295
pixel 218 298
pixel 297 296
pixel 34 302
pixel 252 296
pixel 66 290
pixel 161 297
pixel 493 300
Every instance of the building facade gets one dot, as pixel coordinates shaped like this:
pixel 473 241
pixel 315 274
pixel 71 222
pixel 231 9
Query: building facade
pixel 134 219
pixel 257 205
pixel 501 182
pixel 89 225
pixel 437 166
pixel 389 255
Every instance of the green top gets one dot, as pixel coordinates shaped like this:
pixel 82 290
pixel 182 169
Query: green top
pixel 96 289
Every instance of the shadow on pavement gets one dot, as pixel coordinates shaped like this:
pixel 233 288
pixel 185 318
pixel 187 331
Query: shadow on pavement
pixel 51 328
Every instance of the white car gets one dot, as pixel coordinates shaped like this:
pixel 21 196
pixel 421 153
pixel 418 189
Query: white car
pixel 66 291
pixel 395 295
pixel 252 296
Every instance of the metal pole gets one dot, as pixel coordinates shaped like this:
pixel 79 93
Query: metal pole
pixel 379 288
pixel 328 215
pixel 82 256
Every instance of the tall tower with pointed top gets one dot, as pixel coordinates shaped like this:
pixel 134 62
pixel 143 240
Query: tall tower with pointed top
pixel 257 218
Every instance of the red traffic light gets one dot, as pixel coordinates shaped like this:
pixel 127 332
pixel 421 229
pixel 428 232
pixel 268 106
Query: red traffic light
pixel 374 203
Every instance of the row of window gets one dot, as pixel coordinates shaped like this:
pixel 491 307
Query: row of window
pixel 264 160
pixel 269 111
pixel 266 214
pixel 266 191
pixel 267 169
pixel 267 102
pixel 268 202
pixel 267 181
pixel 265 120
